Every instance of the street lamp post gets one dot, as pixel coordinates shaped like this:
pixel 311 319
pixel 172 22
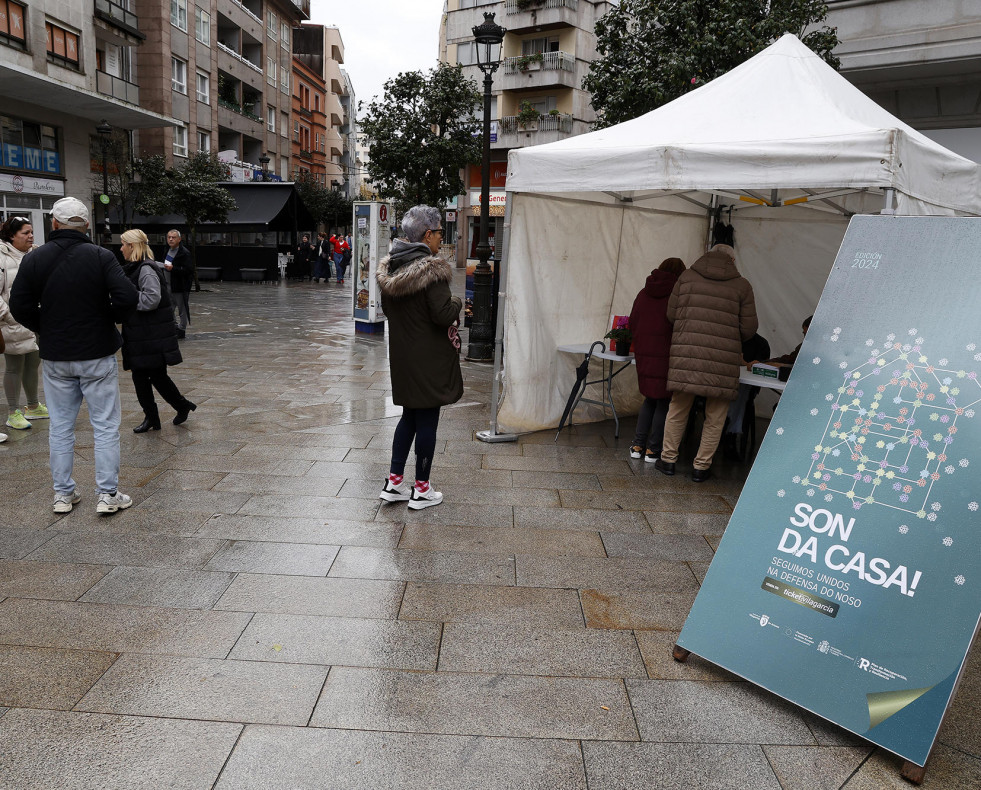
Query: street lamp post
pixel 264 164
pixel 489 37
pixel 105 135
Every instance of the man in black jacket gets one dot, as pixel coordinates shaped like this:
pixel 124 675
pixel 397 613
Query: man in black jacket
pixel 72 293
pixel 180 278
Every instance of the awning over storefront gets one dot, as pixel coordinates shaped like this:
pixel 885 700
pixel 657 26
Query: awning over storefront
pixel 260 207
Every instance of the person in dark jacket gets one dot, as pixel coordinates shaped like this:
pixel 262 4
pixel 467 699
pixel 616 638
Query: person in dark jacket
pixel 423 349
pixel 651 331
pixel 178 266
pixel 85 294
pixel 713 311
pixel 305 257
pixel 149 336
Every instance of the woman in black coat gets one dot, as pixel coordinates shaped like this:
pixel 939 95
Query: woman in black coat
pixel 149 335
pixel 423 348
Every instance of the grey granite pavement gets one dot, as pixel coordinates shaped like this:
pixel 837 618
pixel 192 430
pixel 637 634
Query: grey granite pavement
pixel 259 619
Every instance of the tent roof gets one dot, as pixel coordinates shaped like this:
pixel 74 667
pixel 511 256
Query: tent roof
pixel 783 119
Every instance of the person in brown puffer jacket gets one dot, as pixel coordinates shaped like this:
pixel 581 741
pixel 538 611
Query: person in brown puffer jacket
pixel 713 311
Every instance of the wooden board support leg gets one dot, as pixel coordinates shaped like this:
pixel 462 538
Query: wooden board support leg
pixel 913 772
pixel 678 653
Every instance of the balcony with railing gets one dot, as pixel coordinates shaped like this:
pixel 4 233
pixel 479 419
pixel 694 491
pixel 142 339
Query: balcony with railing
pixel 541 70
pixel 249 11
pixel 118 15
pixel 512 132
pixel 109 85
pixel 528 14
pixel 248 63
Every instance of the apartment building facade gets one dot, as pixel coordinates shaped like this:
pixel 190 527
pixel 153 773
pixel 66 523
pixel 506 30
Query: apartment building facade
pixel 224 71
pixel 920 61
pixel 65 68
pixel 320 117
pixel 538 95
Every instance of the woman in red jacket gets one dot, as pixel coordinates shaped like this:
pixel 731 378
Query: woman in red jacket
pixel 652 348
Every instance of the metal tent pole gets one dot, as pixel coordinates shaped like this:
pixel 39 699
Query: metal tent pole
pixel 492 435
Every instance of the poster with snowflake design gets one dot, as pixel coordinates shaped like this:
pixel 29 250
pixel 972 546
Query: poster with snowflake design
pixel 849 577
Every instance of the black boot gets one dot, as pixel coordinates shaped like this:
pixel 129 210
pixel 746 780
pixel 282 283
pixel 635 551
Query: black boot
pixel 183 411
pixel 150 423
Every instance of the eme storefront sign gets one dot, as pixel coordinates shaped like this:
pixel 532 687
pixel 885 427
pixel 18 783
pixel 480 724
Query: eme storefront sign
pixel 29 185
pixel 849 578
pixel 24 157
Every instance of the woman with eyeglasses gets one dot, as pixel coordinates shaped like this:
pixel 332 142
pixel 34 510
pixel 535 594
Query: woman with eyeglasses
pixel 21 355
pixel 149 335
pixel 423 349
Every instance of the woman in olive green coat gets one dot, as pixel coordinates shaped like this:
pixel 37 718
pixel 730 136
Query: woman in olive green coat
pixel 423 349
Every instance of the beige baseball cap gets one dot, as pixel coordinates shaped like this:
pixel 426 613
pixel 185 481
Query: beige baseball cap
pixel 71 212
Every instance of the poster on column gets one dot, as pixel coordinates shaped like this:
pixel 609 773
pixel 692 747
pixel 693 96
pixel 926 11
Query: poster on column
pixel 372 237
pixel 849 578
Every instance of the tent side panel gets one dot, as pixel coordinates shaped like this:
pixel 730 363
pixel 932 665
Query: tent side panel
pixel 571 266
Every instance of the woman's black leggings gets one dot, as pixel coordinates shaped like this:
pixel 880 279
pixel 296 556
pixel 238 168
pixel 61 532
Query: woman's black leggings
pixel 418 424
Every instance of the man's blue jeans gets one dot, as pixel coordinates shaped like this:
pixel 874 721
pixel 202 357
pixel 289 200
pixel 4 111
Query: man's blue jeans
pixel 65 385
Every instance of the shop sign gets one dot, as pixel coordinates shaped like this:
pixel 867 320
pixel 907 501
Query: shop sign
pixel 495 198
pixel 849 577
pixel 23 157
pixel 29 185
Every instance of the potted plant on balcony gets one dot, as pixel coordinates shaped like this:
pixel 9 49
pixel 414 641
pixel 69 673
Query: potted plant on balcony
pixel 528 117
pixel 621 337
pixel 530 62
pixel 524 5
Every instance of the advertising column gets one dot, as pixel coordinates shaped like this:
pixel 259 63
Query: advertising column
pixel 372 237
pixel 849 577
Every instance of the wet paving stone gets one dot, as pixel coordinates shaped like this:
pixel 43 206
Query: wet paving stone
pixel 271 758
pixel 466 603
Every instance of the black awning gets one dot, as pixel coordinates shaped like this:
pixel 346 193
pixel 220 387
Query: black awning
pixel 260 207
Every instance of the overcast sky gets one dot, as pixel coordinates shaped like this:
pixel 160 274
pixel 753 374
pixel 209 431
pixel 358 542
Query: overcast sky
pixel 382 38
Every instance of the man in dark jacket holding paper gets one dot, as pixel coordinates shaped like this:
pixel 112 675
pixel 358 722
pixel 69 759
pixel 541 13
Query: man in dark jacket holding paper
pixel 713 311
pixel 72 293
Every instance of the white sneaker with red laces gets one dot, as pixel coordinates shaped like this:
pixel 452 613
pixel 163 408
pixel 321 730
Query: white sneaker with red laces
pixel 426 499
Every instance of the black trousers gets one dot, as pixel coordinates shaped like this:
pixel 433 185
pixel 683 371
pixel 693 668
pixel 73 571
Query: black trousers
pixel 145 380
pixel 418 424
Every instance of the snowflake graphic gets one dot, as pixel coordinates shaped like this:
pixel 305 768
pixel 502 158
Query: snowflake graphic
pixel 971 346
pixel 810 492
pixel 781 492
pixel 903 529
pixel 780 433
pixel 873 423
pixel 869 342
pixel 963 462
pixel 959 579
pixel 834 338
pixel 816 360
pixel 972 506
pixel 948 541
pixel 837 330
pixel 796 478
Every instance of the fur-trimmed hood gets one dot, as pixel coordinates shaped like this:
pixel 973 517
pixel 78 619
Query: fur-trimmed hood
pixel 412 277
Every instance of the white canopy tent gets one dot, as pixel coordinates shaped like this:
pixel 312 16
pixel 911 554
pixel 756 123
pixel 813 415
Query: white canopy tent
pixel 784 139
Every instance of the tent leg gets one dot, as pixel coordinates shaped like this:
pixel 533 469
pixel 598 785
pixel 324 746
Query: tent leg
pixel 713 204
pixel 887 202
pixel 492 436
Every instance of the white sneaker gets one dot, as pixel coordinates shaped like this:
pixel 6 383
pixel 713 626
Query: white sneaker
pixel 3 438
pixel 636 450
pixel 399 493
pixel 418 501
pixel 110 503
pixel 65 502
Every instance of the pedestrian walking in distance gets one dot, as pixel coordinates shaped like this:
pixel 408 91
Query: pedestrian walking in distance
pixel 149 335
pixel 179 275
pixel 85 293
pixel 423 349
pixel 22 360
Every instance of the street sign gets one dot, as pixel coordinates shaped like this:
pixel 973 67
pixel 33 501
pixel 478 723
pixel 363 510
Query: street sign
pixel 849 578
pixel 104 200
